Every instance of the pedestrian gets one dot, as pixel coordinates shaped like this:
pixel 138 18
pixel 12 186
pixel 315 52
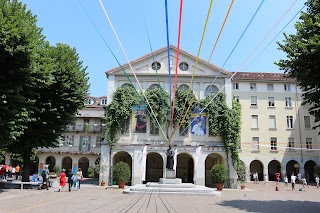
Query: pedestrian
pixel 70 179
pixel 304 183
pixel 265 178
pixel 285 182
pixel 17 172
pixel 293 181
pixel 278 177
pixel 317 181
pixel 257 178
pixel 45 177
pixel 79 177
pixel 62 180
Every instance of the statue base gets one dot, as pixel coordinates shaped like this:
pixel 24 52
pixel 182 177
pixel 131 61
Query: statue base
pixel 170 174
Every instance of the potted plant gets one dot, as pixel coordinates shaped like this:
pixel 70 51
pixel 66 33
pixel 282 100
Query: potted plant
pixel 218 175
pixel 241 172
pixel 121 173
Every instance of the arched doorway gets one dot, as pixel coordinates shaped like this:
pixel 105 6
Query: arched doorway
pixel 256 166
pixel 309 170
pixel 185 167
pixel 66 163
pixel 83 163
pixel 154 167
pixel 124 157
pixel 211 160
pixel 273 168
pixel 292 167
pixel 51 161
pixel 34 165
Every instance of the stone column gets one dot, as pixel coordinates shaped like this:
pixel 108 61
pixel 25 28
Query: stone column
pixel 136 167
pixel 105 166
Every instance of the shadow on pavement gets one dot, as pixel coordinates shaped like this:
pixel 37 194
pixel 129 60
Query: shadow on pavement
pixel 273 206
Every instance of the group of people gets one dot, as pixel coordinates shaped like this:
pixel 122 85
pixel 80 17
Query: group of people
pixel 255 177
pixel 73 179
pixel 8 171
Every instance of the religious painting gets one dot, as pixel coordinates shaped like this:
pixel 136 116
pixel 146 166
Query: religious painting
pixel 198 125
pixel 139 119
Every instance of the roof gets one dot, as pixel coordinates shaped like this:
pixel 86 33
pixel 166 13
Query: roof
pixel 165 49
pixel 262 76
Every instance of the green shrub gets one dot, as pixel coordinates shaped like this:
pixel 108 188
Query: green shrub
pixel 56 169
pixel 90 172
pixel 121 172
pixel 241 172
pixel 218 173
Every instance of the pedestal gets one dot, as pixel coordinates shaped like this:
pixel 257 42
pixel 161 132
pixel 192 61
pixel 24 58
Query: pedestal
pixel 170 174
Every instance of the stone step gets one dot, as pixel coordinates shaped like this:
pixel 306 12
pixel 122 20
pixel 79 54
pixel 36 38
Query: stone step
pixel 182 185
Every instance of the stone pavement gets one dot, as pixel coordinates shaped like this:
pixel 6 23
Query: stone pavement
pixel 259 198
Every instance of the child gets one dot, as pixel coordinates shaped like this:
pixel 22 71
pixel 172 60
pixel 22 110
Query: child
pixel 285 182
pixel 304 182
pixel 317 181
pixel 265 178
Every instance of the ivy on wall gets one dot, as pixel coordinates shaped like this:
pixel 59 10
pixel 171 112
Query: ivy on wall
pixel 223 121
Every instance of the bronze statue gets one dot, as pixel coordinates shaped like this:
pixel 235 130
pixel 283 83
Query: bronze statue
pixel 170 155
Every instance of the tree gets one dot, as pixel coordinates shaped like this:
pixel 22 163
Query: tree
pixel 59 94
pixel 303 56
pixel 20 39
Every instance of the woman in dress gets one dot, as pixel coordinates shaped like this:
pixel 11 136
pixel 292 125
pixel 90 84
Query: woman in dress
pixel 62 180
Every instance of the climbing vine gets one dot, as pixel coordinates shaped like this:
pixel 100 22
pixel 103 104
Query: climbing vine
pixel 223 121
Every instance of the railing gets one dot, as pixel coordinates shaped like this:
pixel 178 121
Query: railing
pixel 85 128
pixel 72 149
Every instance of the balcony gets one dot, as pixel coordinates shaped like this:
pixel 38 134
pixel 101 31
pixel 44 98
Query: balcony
pixel 86 128
pixel 87 149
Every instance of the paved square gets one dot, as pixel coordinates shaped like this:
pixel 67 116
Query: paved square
pixel 259 198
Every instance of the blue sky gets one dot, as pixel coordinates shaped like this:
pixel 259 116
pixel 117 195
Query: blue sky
pixel 65 21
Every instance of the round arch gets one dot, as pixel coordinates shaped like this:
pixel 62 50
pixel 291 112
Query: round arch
pixel 274 167
pixel 185 167
pixel 83 163
pixel 256 166
pixel 211 90
pixel 51 161
pixel 211 160
pixel 124 157
pixel 66 163
pixel 154 167
pixel 292 167
pixel 309 170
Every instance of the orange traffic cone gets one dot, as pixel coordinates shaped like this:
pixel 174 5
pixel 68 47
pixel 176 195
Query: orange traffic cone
pixel 277 188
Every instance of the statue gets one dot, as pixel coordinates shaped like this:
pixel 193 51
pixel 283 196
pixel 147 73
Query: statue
pixel 170 155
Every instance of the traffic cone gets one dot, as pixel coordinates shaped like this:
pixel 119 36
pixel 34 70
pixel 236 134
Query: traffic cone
pixel 277 188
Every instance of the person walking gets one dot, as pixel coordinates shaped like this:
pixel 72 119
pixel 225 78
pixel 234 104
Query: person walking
pixel 304 182
pixel 317 181
pixel 79 177
pixel 62 180
pixel 17 172
pixel 293 181
pixel 70 179
pixel 285 182
pixel 265 178
pixel 45 177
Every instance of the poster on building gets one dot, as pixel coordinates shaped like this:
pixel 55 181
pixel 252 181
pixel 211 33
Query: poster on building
pixel 198 125
pixel 139 119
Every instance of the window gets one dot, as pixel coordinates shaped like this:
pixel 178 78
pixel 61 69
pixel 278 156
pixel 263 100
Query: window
pixel 211 90
pixel 125 126
pixel 154 86
pixel 273 144
pixel 288 102
pixel 86 121
pixel 253 86
pixel 89 101
pixel 69 140
pixel 156 65
pixel 271 101
pixel 235 86
pixel 126 85
pixel 154 130
pixel 289 122
pixel 272 122
pixel 307 122
pixel 85 141
pixel 255 143
pixel 309 143
pixel 99 139
pixel 254 101
pixel 291 144
pixel 103 101
pixel 254 122
pixel 287 87
pixel 183 66
pixel 184 87
pixel 236 98
pixel 270 87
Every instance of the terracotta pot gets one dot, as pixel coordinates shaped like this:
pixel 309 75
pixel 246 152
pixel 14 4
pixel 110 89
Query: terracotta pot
pixel 103 183
pixel 121 184
pixel 242 186
pixel 219 186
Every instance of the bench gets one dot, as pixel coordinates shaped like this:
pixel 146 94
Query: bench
pixel 29 183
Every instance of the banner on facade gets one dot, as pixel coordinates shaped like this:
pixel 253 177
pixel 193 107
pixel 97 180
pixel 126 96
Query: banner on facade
pixel 198 124
pixel 139 119
pixel 198 153
pixel 175 160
